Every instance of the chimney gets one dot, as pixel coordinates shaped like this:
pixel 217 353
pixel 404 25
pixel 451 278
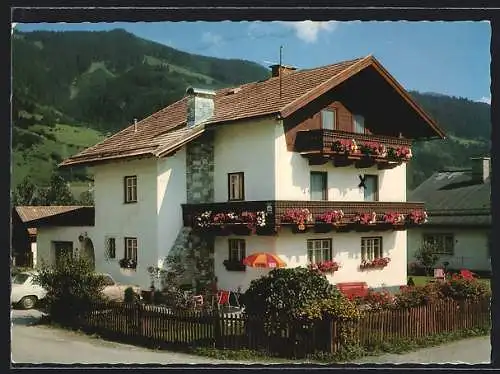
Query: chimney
pixel 277 69
pixel 480 168
pixel 200 106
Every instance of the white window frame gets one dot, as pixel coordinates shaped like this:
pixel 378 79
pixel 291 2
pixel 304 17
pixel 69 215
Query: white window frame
pixel 439 240
pixel 131 245
pixel 326 112
pixel 130 183
pixel 358 124
pixel 237 249
pixel 371 248
pixel 319 250
pixel 236 186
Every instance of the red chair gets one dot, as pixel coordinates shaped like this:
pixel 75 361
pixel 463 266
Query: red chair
pixel 466 274
pixel 223 298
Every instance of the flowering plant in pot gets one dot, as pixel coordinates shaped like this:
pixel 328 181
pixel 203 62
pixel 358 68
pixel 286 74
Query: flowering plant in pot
pixel 393 218
pixel 377 263
pixel 128 263
pixel 345 146
pixel 204 219
pixel 399 153
pixel 373 149
pixel 300 217
pixel 325 266
pixel 331 217
pixel 365 218
pixel 417 217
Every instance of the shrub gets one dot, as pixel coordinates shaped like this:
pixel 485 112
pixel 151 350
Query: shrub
pixel 461 287
pixel 414 296
pixel 377 300
pixel 130 295
pixel 72 286
pixel 286 291
pixel 427 257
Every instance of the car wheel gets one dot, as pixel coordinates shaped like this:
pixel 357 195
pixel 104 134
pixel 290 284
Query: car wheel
pixel 28 302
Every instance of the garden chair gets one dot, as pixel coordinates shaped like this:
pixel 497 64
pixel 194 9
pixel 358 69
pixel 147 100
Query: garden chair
pixel 198 301
pixel 224 298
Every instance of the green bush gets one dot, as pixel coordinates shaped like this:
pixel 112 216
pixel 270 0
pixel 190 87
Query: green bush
pixel 130 295
pixel 71 287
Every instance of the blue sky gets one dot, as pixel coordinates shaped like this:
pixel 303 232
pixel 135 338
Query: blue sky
pixel 451 58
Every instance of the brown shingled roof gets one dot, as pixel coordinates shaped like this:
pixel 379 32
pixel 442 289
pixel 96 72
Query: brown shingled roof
pixel 165 130
pixel 32 213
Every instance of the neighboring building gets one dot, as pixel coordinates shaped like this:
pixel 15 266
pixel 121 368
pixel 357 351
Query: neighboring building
pixel 459 208
pixel 46 232
pixel 314 139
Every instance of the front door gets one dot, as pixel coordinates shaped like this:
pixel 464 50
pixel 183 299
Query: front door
pixel 62 249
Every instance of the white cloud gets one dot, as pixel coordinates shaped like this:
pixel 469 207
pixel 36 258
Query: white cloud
pixel 485 99
pixel 212 39
pixel 308 31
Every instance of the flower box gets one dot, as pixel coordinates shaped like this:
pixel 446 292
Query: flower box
pixel 378 263
pixel 234 265
pixel 128 263
pixel 326 267
pixel 240 229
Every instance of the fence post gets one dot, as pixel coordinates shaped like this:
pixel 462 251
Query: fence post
pixel 217 329
pixel 139 319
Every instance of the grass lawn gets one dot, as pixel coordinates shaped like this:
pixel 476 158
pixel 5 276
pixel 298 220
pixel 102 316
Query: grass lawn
pixel 421 280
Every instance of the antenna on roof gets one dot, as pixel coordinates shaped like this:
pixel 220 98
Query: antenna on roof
pixel 281 63
pixel 135 124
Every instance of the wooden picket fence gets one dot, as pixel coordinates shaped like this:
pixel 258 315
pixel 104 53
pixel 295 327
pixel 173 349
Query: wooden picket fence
pixel 160 327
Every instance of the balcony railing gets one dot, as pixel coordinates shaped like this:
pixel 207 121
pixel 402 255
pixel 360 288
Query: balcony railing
pixel 276 212
pixel 333 144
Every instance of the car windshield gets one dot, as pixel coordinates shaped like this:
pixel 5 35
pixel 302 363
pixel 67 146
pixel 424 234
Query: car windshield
pixel 20 278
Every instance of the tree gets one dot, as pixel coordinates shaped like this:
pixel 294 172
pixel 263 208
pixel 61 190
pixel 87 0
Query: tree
pixel 427 257
pixel 72 287
pixel 26 193
pixel 58 192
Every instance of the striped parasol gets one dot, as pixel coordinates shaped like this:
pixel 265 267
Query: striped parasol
pixel 264 260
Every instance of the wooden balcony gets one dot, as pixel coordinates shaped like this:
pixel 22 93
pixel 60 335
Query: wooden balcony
pixel 345 148
pixel 276 213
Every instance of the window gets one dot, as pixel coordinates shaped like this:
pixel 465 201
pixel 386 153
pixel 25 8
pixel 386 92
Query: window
pixel 131 249
pixel 359 124
pixel 237 250
pixel 111 247
pixel 328 119
pixel 319 250
pixel 236 186
pixel 371 187
pixel 319 190
pixel 443 243
pixel 371 248
pixel 130 184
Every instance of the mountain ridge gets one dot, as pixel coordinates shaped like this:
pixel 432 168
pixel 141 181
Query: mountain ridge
pixel 99 81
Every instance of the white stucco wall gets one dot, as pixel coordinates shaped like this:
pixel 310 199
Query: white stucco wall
pixel 293 177
pixel 171 185
pixel 470 247
pixel 34 252
pixel 245 147
pixel 292 248
pixel 47 235
pixel 116 219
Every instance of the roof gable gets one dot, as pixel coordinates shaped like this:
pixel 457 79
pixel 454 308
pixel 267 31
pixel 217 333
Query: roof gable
pixel 165 130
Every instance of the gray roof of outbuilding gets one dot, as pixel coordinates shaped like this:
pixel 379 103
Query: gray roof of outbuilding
pixel 453 198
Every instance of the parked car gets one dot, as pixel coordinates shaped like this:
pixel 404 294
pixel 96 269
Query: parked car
pixel 26 294
pixel 116 291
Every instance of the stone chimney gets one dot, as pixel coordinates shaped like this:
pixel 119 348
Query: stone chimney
pixel 277 69
pixel 200 106
pixel 481 167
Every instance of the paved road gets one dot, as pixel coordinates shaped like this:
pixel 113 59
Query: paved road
pixel 467 351
pixel 43 344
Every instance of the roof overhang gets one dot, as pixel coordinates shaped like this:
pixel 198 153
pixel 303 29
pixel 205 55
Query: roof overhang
pixel 79 216
pixel 367 87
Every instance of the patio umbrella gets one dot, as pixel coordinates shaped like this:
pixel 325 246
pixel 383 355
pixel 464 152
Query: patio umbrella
pixel 264 260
